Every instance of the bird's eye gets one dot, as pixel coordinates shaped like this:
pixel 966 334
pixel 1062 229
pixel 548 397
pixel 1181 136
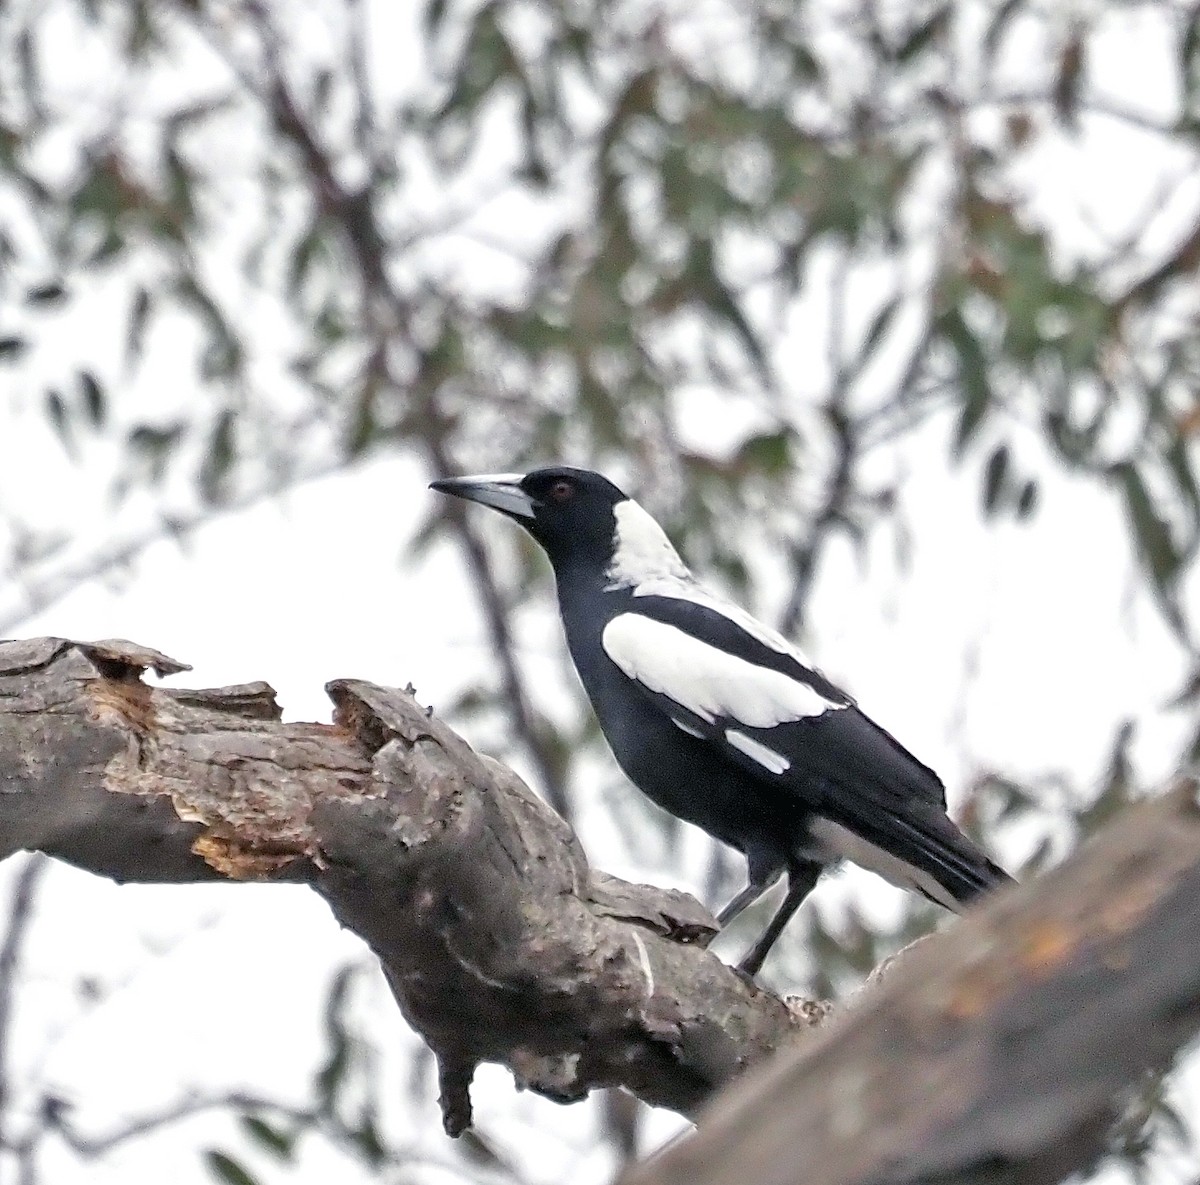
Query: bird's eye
pixel 560 491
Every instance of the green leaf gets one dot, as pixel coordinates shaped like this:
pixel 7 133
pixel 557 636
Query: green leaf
pixel 225 1169
pixel 1151 533
pixel 307 250
pixel 51 293
pixel 486 59
pixel 94 402
pixel 1189 52
pixel 322 89
pixel 994 478
pixel 223 353
pixel 1027 499
pixel 768 453
pixel 274 1139
pixel 876 331
pixel 998 26
pixel 110 246
pixel 56 411
pixel 1179 462
pixel 155 446
pixel 338 1039
pixel 139 318
pixel 369 1142
pixel 1070 77
pixel 179 195
pixel 1117 785
pixel 434 15
pixel 924 35
pixel 218 460
pixel 973 375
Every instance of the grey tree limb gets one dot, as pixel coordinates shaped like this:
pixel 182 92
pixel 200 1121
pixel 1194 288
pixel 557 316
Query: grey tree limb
pixel 995 1053
pixel 497 939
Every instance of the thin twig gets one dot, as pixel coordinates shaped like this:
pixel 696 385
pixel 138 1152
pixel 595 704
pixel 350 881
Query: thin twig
pixel 355 213
pixel 20 912
pixel 40 592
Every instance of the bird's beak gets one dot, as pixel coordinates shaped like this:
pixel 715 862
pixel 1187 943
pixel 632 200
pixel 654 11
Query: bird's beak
pixel 500 491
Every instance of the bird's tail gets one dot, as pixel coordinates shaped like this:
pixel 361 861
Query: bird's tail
pixel 958 864
pixel 921 850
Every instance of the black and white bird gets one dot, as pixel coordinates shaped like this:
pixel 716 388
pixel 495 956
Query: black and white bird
pixel 720 719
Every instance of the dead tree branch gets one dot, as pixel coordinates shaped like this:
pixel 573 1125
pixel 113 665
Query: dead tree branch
pixel 997 1051
pixel 499 942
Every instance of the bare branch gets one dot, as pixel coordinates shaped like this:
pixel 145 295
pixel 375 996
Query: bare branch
pixel 499 942
pixel 997 1047
pixel 40 587
pixel 20 913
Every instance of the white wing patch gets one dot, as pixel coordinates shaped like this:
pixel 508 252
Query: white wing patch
pixel 705 680
pixel 842 842
pixel 692 732
pixel 776 763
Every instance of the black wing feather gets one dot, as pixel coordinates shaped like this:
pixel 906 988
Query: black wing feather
pixel 843 765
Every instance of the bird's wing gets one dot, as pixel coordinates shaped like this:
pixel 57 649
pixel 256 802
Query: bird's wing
pixel 752 694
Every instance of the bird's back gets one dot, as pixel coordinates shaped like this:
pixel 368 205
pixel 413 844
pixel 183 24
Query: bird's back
pixel 830 784
pixel 681 772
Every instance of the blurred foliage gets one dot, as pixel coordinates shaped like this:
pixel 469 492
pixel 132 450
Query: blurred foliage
pixel 501 233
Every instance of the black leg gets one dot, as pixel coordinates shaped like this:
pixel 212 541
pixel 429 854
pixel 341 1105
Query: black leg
pixel 750 894
pixel 801 879
pixel 762 877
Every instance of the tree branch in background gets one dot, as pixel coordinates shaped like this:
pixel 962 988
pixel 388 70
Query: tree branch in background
pixel 39 586
pixel 498 941
pixel 20 912
pixel 355 215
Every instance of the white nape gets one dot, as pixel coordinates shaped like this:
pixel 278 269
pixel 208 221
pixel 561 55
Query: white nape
pixel 641 549
pixel 646 561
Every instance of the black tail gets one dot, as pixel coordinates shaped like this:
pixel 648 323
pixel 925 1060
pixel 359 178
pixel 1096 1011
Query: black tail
pixel 931 843
pixel 917 847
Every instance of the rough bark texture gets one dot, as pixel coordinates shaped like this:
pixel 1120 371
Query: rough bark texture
pixel 499 942
pixel 995 1052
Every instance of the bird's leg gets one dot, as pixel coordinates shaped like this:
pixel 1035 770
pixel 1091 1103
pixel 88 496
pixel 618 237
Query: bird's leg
pixel 762 876
pixel 751 893
pixel 801 879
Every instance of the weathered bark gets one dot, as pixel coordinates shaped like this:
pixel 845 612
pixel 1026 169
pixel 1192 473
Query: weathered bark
pixel 499 942
pixel 994 1053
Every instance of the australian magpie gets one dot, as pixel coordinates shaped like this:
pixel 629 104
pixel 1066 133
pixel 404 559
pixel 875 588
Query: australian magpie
pixel 720 719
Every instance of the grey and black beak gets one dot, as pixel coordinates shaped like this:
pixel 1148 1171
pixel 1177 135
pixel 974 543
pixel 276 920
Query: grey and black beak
pixel 500 491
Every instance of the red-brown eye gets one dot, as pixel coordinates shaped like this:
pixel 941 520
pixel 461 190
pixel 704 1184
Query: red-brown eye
pixel 560 491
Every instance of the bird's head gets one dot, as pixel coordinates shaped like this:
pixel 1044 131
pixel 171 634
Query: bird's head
pixel 579 517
